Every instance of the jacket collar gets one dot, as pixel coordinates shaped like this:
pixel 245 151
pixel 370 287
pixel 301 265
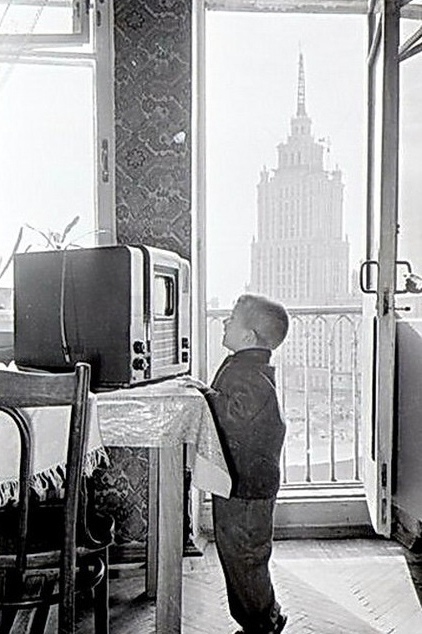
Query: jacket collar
pixel 257 355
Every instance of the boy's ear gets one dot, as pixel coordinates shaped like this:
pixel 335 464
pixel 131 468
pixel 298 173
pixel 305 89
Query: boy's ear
pixel 250 337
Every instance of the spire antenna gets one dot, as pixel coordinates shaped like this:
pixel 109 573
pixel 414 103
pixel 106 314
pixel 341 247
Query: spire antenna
pixel 301 110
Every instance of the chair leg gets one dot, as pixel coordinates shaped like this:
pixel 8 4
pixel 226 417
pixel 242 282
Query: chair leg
pixel 7 619
pixel 101 597
pixel 67 607
pixel 39 621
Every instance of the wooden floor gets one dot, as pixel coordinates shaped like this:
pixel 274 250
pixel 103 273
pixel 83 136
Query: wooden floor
pixel 326 586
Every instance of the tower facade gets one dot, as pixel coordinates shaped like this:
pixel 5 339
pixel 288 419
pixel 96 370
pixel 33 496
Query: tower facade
pixel 300 255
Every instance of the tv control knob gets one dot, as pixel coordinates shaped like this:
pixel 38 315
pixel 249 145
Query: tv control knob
pixel 139 363
pixel 139 347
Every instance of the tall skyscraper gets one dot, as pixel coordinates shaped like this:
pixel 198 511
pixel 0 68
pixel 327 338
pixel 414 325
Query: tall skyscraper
pixel 300 255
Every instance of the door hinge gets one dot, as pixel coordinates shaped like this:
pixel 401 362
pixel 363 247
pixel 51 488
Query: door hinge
pixel 384 510
pixel 105 173
pixel 384 501
pixel 384 475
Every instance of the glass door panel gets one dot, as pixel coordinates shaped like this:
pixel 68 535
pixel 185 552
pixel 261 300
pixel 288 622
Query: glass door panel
pixel 380 271
pixel 285 203
pixel 410 183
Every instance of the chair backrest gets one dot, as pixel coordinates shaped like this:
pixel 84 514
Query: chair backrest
pixel 28 389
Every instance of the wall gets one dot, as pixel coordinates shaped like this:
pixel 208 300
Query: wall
pixel 152 40
pixel 153 134
pixel 408 485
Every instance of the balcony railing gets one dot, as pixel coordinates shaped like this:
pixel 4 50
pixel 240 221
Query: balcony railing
pixel 318 377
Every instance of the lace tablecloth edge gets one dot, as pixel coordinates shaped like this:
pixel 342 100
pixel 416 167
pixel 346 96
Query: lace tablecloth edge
pixel 51 478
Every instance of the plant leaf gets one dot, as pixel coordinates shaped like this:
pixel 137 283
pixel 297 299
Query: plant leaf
pixel 70 226
pixel 44 235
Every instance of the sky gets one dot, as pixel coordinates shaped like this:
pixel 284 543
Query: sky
pixel 46 153
pixel 251 95
pixel 47 140
pixel 47 135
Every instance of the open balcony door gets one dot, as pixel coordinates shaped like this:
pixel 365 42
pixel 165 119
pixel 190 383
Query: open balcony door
pixel 378 274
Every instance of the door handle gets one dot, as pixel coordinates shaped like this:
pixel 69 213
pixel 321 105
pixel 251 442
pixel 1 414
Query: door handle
pixel 365 278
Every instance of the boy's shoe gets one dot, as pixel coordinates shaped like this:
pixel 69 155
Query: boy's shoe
pixel 280 624
pixel 278 627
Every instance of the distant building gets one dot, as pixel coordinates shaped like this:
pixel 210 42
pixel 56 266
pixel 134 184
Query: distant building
pixel 300 255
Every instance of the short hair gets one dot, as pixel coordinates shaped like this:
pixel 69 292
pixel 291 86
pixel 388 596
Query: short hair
pixel 267 318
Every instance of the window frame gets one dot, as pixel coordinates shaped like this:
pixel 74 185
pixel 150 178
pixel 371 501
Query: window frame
pixel 325 506
pixel 81 24
pixel 409 9
pixel 69 49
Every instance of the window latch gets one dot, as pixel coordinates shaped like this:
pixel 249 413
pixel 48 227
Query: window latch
pixel 105 173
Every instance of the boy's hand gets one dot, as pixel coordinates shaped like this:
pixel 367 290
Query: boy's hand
pixel 188 381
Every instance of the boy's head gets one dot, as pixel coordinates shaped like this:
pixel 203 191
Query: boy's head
pixel 255 322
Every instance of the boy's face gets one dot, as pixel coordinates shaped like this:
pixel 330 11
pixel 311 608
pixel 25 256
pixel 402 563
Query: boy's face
pixel 236 334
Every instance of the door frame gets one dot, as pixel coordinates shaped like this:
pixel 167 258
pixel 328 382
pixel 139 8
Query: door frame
pixel 381 248
pixel 382 476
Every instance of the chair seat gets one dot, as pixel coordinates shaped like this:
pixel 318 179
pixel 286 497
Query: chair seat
pixel 31 589
pixel 41 585
pixel 51 558
pixel 51 549
pixel 95 530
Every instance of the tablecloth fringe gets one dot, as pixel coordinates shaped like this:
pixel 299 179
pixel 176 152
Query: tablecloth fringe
pixel 52 478
pixel 96 458
pixel 9 491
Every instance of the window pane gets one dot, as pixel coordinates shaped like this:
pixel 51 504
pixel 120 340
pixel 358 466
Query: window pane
pixel 410 183
pixel 258 144
pixel 285 204
pixel 46 155
pixel 20 18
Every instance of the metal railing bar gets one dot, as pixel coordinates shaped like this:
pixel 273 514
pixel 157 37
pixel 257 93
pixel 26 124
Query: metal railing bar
pixel 318 372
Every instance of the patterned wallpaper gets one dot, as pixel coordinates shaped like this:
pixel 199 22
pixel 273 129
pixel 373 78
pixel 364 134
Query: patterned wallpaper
pixel 153 128
pixel 152 40
pixel 121 490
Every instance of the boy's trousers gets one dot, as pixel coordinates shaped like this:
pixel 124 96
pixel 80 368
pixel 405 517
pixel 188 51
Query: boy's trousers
pixel 243 533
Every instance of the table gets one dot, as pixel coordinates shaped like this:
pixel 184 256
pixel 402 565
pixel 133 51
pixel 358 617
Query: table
pixel 164 416
pixel 51 426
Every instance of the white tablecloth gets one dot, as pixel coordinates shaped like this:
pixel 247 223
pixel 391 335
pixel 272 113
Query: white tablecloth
pixel 153 415
pixel 51 428
pixel 166 414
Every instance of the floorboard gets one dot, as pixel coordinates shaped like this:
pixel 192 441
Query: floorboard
pixel 352 586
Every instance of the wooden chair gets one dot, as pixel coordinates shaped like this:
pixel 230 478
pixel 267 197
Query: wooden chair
pixel 51 549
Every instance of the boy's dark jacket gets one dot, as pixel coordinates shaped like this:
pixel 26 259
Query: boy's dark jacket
pixel 244 403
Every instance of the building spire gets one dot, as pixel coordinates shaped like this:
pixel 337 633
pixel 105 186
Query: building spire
pixel 301 111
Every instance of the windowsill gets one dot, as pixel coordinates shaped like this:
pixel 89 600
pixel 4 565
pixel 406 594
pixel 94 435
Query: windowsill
pixel 314 511
pixel 321 491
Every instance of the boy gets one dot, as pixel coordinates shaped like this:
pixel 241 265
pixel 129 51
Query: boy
pixel 244 403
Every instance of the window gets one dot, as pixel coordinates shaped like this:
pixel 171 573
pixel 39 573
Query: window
pixel 37 22
pixel 55 126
